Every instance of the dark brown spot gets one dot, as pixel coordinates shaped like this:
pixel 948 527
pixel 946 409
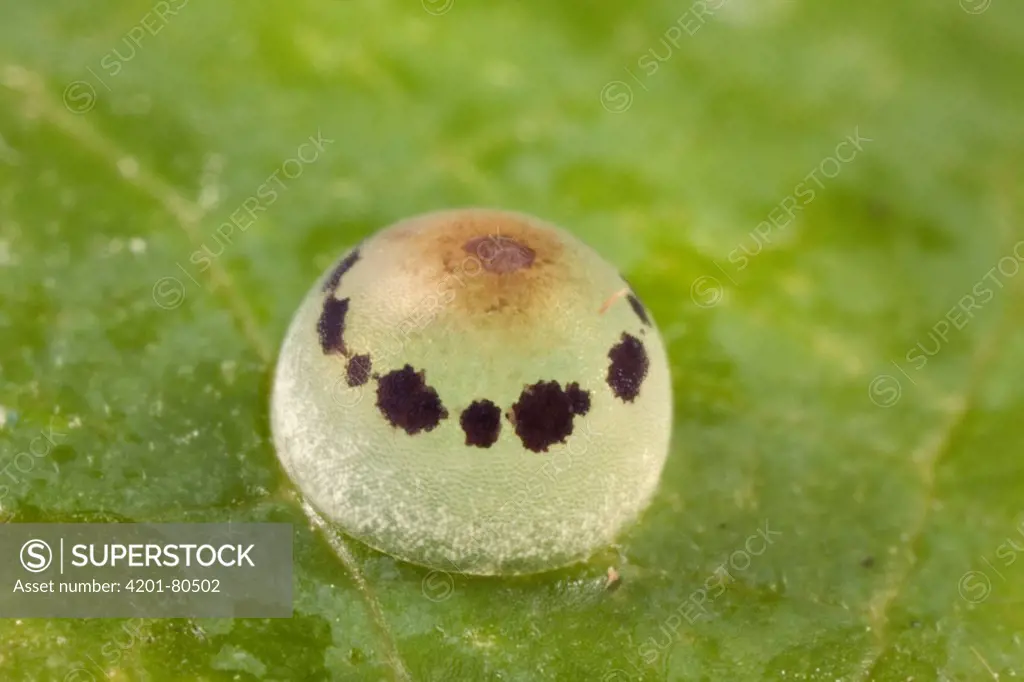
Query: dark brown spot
pixel 406 401
pixel 578 398
pixel 359 370
pixel 639 309
pixel 628 368
pixel 339 271
pixel 482 423
pixel 868 562
pixel 500 254
pixel 543 416
pixel 489 288
pixel 331 326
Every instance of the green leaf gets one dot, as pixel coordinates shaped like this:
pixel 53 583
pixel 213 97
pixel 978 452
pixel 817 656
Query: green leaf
pixel 848 379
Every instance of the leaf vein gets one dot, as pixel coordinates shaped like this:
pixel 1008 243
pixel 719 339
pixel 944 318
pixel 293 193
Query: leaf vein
pixel 188 214
pixel 927 456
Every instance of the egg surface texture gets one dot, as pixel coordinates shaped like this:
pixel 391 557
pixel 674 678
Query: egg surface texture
pixel 476 391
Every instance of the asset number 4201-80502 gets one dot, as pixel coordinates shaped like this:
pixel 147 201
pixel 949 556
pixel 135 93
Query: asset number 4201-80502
pixel 177 586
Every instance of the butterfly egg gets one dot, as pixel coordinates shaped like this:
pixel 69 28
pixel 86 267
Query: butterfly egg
pixel 474 390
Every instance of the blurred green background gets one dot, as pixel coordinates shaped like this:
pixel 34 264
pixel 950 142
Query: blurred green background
pixel 675 139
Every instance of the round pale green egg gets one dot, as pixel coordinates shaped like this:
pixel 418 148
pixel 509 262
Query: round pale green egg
pixel 476 391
